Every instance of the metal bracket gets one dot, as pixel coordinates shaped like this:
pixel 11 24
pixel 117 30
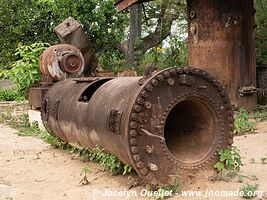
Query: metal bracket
pixel 114 121
pixel 246 91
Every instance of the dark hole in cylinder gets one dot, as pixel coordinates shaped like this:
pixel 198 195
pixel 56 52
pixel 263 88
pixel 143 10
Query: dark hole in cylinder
pixel 44 107
pixel 91 89
pixel 190 130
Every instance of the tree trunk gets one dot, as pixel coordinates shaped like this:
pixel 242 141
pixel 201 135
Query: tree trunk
pixel 135 32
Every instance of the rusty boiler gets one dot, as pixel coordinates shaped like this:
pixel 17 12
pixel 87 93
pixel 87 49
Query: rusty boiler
pixel 173 122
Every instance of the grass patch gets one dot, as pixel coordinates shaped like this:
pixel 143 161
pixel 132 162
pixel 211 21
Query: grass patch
pixel 8 94
pixel 248 191
pixel 260 113
pixel 243 122
pixel 108 161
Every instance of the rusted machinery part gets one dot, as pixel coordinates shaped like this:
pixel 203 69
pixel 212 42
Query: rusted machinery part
pixel 71 62
pixel 174 122
pixel 61 61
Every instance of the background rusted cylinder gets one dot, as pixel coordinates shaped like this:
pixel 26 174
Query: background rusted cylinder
pixel 59 62
pixel 221 41
pixel 174 122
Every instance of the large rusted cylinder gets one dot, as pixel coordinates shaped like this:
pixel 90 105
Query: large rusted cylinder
pixel 173 122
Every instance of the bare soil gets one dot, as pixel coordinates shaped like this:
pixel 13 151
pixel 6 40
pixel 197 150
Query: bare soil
pixel 32 169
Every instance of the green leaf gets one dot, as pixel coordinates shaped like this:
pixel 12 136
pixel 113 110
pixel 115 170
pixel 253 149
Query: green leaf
pixel 219 166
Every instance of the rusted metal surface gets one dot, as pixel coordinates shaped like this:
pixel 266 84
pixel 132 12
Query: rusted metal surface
pixel 221 41
pixel 71 32
pixel 59 62
pixel 36 96
pixel 123 4
pixel 173 122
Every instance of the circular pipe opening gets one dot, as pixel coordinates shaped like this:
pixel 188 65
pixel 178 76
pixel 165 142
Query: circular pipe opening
pixel 190 130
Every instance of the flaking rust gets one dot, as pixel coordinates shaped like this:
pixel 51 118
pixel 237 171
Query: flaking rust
pixel 176 121
pixel 57 63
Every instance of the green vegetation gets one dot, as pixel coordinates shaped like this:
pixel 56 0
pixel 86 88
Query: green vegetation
pixel 20 121
pixel 24 23
pixel 174 55
pixel 108 161
pixel 254 178
pixel 240 178
pixel 248 191
pixel 260 113
pixel 243 123
pixel 127 169
pixel 25 71
pixel 31 21
pixel 229 159
pixel 8 94
pixel 85 171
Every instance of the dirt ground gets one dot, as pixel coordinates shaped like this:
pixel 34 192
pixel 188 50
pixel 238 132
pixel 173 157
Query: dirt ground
pixel 31 169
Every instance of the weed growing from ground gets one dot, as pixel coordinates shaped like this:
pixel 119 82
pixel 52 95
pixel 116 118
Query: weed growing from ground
pixel 248 191
pixel 229 159
pixel 260 113
pixel 243 123
pixel 85 171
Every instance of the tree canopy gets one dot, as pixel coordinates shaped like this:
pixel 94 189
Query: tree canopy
pixel 30 21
